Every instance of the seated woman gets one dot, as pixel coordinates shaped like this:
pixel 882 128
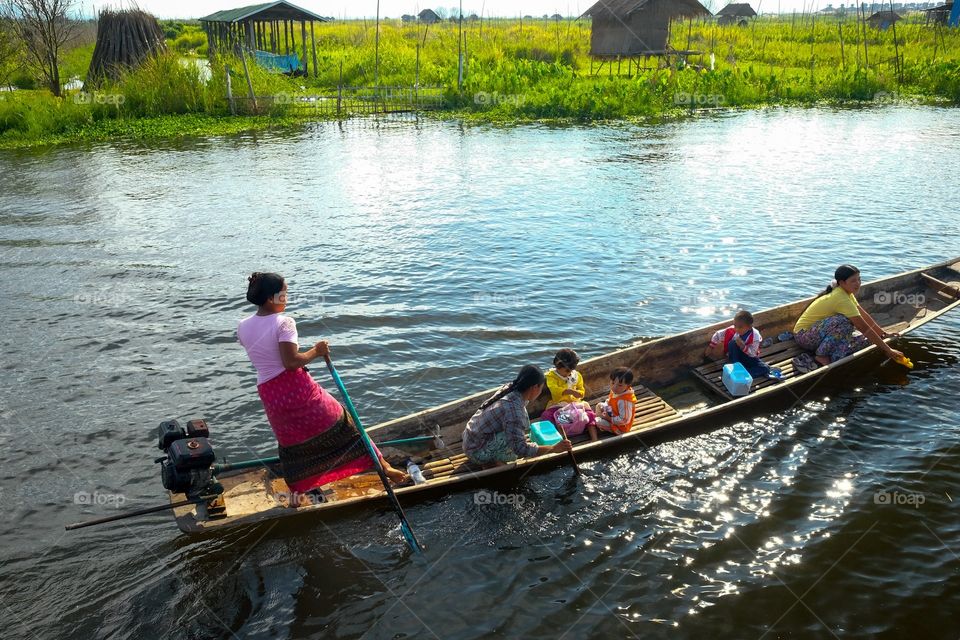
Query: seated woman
pixel 826 326
pixel 497 432
pixel 318 441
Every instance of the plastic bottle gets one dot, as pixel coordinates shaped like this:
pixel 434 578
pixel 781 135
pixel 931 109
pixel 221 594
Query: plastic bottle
pixel 415 473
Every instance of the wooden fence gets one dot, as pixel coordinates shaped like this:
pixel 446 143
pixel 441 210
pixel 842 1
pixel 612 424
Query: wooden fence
pixel 344 102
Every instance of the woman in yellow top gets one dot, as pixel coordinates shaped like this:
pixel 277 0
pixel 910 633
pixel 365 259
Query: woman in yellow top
pixel 565 384
pixel 826 327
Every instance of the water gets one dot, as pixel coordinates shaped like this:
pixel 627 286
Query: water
pixel 438 258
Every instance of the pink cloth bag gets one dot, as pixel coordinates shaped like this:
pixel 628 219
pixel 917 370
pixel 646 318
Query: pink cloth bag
pixel 573 418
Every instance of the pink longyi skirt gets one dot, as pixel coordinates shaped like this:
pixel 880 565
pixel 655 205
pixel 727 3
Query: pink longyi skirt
pixel 318 441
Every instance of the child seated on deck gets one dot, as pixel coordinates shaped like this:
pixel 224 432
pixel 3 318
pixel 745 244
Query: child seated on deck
pixel 741 343
pixel 616 414
pixel 566 388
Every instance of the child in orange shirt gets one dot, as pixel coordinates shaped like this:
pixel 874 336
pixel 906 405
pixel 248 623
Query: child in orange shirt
pixel 616 414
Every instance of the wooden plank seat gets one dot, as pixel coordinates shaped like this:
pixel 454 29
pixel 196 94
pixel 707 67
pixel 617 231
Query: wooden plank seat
pixel 651 411
pixel 779 355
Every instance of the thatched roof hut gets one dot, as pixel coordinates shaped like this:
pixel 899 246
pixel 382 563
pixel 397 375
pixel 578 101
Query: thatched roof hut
pixel 735 13
pixel 125 38
pixel 883 19
pixel 737 10
pixel 429 16
pixel 630 28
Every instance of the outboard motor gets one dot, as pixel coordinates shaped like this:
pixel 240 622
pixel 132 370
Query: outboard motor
pixel 187 466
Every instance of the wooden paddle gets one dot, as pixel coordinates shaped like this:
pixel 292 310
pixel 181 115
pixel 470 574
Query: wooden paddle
pixel 573 460
pixel 404 525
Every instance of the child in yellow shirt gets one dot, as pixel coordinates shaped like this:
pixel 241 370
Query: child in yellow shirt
pixel 566 387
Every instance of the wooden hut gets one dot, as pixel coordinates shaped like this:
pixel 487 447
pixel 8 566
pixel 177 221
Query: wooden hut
pixel 735 13
pixel 633 28
pixel 269 31
pixel 939 14
pixel 883 19
pixel 429 16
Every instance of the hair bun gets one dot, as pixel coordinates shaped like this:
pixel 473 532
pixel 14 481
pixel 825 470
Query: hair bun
pixel 253 278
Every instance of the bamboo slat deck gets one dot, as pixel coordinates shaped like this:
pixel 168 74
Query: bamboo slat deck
pixel 651 410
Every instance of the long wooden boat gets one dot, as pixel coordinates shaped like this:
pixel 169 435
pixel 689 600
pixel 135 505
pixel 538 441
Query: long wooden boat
pixel 677 389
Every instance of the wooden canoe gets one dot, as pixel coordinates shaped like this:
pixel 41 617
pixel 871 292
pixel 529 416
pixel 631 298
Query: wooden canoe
pixel 677 390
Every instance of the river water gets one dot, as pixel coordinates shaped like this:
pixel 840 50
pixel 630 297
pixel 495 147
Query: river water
pixel 437 258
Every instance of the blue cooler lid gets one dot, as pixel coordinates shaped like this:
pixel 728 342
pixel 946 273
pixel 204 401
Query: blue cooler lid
pixel 544 433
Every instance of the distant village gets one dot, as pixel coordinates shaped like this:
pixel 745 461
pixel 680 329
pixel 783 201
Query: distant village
pixel 881 6
pixel 431 16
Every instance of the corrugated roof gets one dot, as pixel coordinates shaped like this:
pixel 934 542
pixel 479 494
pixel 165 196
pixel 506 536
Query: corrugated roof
pixel 289 11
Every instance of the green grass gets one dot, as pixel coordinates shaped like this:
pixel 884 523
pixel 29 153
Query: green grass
pixel 151 128
pixel 537 70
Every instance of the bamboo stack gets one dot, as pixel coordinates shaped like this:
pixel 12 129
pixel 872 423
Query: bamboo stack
pixel 125 38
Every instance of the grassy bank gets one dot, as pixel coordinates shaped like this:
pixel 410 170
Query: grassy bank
pixel 517 71
pixel 151 128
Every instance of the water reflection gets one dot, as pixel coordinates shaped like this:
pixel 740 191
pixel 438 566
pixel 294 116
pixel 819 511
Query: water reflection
pixel 438 257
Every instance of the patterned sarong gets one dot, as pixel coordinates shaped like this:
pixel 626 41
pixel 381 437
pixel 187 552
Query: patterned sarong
pixel 319 442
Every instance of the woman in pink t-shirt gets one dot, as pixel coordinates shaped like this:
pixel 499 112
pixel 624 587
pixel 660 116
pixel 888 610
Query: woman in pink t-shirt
pixel 318 441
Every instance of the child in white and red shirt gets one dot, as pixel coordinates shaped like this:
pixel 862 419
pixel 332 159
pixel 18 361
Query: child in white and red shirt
pixel 741 343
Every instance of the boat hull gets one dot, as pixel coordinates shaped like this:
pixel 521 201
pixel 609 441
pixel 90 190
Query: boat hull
pixel 665 366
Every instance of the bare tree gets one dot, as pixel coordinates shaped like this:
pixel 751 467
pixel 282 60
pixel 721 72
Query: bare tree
pixel 9 51
pixel 44 27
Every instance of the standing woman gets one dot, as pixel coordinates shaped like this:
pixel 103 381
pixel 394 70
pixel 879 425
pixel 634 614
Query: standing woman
pixel 826 327
pixel 317 438
pixel 497 432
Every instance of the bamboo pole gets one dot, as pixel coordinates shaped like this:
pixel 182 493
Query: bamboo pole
pixel 313 46
pixel 843 55
pixel 246 72
pixel 460 48
pixel 340 89
pixel 303 41
pixel 896 47
pixel 230 100
pixel 813 39
pixel 376 59
pixel 866 58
